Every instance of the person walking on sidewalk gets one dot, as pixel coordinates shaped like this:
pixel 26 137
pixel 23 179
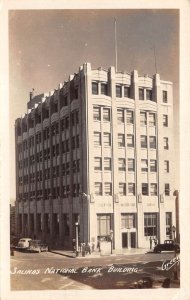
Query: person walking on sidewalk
pixel 150 243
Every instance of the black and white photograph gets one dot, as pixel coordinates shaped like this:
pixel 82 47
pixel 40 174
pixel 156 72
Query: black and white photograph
pixel 95 198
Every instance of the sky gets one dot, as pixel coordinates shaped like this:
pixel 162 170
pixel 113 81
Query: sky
pixel 46 46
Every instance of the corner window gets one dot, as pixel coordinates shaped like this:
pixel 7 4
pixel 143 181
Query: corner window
pixel 127 91
pixel 148 94
pixel 97 113
pixel 97 163
pixel 97 138
pixel 165 120
pixel 106 114
pixel 165 96
pixel 118 91
pixel 120 116
pixel 141 94
pixel 104 89
pixel 98 188
pixel 95 88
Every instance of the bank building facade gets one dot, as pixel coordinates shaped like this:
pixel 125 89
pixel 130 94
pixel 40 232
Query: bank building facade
pixel 97 153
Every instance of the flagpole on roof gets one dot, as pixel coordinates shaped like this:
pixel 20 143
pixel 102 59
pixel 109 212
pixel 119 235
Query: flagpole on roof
pixel 115 45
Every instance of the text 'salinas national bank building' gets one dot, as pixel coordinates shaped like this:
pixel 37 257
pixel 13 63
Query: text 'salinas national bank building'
pixel 97 151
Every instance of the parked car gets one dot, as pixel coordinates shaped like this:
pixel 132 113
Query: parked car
pixel 14 241
pixel 37 246
pixel 23 243
pixel 168 245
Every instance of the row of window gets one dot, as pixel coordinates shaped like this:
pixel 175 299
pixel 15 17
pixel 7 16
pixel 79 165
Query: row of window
pixel 128 140
pixel 147 189
pixel 125 91
pixel 103 113
pixel 129 220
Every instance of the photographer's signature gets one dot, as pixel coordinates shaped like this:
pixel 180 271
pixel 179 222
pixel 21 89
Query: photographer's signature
pixel 167 265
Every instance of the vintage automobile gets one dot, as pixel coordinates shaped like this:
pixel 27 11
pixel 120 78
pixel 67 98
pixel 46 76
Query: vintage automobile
pixel 37 246
pixel 168 245
pixel 23 244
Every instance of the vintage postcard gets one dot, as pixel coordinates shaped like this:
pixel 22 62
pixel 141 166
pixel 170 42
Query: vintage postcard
pixel 94 150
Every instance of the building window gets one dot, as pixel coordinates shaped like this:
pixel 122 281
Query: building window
pixel 153 165
pixel 104 89
pixel 143 118
pixel 107 163
pixel 168 224
pixel 67 168
pixel 166 144
pixel 67 123
pixel 118 91
pixel 127 221
pixel 103 225
pixel 131 165
pixel 97 113
pixel 152 141
pixel 166 166
pixel 144 165
pixel 153 189
pixel 73 142
pixel 121 164
pixel 95 88
pixel 67 146
pixel 122 188
pixel 165 120
pixel 107 139
pixel 98 188
pixel 152 119
pixel 131 189
pixel 97 163
pixel 165 96
pixel 167 189
pixel 121 140
pixel 77 141
pixel 97 138
pixel 141 94
pixel 120 116
pixel 145 189
pixel 150 224
pixel 108 188
pixel 148 94
pixel 143 141
pixel 130 117
pixel 127 91
pixel 130 140
pixel 106 114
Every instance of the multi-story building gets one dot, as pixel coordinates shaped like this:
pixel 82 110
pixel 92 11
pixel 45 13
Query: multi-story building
pixel 97 151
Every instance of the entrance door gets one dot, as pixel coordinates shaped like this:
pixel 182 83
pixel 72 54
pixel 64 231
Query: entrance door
pixel 133 239
pixel 124 240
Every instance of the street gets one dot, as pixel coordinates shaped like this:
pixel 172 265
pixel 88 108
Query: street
pixel 50 271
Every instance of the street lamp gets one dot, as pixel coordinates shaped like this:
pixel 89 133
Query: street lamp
pixel 173 230
pixel 77 238
pixel 111 238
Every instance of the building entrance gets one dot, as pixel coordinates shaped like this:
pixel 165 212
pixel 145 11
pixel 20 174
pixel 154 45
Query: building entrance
pixel 129 240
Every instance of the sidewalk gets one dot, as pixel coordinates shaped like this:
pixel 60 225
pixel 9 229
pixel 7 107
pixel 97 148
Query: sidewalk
pixel 95 254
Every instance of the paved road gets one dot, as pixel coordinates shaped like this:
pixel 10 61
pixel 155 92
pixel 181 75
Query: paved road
pixel 49 271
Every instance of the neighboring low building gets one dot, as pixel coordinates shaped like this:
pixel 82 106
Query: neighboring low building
pixel 97 151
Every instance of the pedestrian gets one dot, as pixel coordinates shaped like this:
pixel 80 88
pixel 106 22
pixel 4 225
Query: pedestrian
pixel 155 242
pixel 150 243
